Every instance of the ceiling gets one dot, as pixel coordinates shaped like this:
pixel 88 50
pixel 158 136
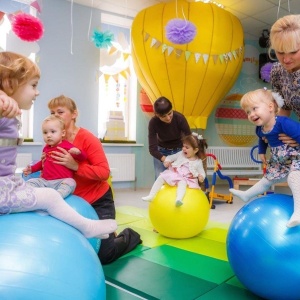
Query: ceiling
pixel 255 15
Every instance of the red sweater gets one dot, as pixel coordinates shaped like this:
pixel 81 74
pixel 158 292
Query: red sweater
pixel 51 170
pixel 92 174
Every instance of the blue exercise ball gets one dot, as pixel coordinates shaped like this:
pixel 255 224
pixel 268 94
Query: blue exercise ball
pixel 262 251
pixel 86 210
pixel 44 258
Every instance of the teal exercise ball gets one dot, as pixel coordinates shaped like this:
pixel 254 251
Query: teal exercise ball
pixel 86 210
pixel 263 253
pixel 44 258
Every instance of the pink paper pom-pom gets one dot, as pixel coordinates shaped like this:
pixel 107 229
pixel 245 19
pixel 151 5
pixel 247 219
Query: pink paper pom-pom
pixel 27 27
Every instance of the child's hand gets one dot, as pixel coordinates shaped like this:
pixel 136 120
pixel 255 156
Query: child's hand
pixel 74 151
pixel 27 171
pixel 263 158
pixel 167 164
pixel 200 178
pixel 9 108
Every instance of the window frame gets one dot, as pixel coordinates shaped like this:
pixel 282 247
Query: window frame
pixel 131 107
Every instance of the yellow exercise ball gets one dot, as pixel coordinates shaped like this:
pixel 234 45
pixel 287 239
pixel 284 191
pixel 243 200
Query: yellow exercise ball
pixel 180 222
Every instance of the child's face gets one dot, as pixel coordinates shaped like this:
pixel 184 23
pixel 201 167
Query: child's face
pixel 26 94
pixel 52 133
pixel 260 113
pixel 188 151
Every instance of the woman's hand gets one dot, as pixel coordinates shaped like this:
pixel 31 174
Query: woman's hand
pixel 287 140
pixel 167 164
pixel 64 158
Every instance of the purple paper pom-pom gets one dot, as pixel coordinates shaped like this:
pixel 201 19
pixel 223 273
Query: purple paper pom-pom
pixel 179 31
pixel 265 72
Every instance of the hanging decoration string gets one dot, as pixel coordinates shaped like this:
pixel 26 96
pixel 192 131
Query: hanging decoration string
pixel 279 6
pixel 90 23
pixel 180 31
pixel 72 2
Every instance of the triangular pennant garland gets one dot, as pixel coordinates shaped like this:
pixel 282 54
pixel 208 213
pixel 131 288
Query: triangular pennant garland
pixel 220 57
pixel 170 50
pixel 147 35
pixel 197 56
pixel 205 58
pixel 153 42
pixel 164 48
pixel 187 55
pixel 178 52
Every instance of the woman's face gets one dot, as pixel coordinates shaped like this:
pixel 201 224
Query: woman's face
pixel 63 112
pixel 290 61
pixel 167 118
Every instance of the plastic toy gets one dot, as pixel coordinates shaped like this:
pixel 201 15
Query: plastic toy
pixel 211 195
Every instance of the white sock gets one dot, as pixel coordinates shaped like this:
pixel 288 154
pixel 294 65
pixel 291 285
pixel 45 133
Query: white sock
pixel 294 184
pixel 259 188
pixel 181 189
pixel 178 203
pixel 50 200
pixel 155 189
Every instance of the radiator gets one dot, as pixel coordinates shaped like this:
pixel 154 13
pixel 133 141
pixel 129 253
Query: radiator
pixel 122 166
pixel 23 160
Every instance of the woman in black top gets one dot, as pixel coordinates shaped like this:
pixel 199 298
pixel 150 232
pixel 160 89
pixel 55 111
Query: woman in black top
pixel 165 131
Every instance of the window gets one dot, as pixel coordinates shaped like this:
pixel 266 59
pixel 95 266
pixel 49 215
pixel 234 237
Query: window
pixel 117 84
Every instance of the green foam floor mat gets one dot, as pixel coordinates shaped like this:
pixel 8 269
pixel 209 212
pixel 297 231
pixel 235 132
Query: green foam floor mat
pixel 133 211
pixel 215 234
pixel 150 238
pixel 201 266
pixel 116 293
pixel 126 219
pixel 202 246
pixel 153 281
pixel 228 292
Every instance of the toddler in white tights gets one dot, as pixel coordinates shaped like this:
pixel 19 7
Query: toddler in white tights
pixel 262 107
pixel 185 168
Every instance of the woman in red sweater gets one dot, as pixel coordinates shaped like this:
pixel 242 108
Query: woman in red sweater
pixel 91 178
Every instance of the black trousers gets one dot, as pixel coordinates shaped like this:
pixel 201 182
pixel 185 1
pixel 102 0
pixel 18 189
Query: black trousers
pixel 115 246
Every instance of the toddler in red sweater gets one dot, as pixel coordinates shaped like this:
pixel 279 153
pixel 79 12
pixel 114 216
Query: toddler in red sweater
pixel 53 174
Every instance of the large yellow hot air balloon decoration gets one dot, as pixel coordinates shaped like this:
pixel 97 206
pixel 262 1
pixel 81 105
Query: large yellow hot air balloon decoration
pixel 197 75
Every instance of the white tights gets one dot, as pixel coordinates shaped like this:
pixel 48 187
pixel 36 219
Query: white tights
pixel 264 184
pixel 159 182
pixel 51 201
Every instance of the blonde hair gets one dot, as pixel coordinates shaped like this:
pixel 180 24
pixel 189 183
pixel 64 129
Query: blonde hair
pixel 64 102
pixel 15 71
pixel 258 96
pixel 55 118
pixel 285 34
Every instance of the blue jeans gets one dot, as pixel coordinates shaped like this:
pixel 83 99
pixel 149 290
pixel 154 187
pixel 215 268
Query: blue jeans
pixel 158 165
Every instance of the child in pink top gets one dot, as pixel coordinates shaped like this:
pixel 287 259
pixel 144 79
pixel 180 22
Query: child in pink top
pixel 53 174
